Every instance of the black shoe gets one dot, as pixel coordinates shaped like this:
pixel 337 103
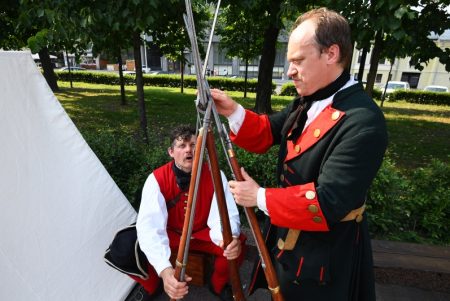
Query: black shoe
pixel 140 294
pixel 225 295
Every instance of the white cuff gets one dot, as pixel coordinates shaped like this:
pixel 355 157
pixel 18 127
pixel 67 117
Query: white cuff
pixel 161 266
pixel 236 119
pixel 261 200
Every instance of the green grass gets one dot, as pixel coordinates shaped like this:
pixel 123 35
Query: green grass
pixel 417 132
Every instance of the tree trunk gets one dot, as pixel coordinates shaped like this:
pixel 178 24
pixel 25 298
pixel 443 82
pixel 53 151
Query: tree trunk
pixel 182 73
pixel 140 85
pixel 47 66
pixel 383 95
pixel 374 59
pixel 264 87
pixel 123 100
pixel 70 71
pixel 246 78
pixel 362 63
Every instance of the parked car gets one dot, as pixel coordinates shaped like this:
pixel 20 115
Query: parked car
pixel 436 89
pixel 396 85
pixel 156 72
pixel 72 68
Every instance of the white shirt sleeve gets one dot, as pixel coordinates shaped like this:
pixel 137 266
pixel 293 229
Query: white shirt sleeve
pixel 261 200
pixel 214 218
pixel 236 119
pixel 151 226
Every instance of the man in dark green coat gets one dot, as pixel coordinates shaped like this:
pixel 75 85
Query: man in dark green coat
pixel 332 141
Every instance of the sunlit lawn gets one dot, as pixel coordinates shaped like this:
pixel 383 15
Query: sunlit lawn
pixel 416 132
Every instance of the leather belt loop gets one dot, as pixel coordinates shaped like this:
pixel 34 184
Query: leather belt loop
pixel 290 241
pixel 356 214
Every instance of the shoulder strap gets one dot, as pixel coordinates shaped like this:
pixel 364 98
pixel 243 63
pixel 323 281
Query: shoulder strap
pixel 170 204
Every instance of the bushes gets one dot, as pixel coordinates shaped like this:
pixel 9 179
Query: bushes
pixel 288 89
pixel 128 161
pixel 422 97
pixel 385 200
pixel 411 208
pixel 408 207
pixel 163 80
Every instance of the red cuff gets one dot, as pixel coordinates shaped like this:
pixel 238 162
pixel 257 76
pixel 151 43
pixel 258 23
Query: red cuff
pixel 296 207
pixel 255 134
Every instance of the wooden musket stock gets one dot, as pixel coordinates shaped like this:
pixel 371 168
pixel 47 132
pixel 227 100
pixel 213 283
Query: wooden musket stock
pixel 180 263
pixel 238 294
pixel 204 99
pixel 269 270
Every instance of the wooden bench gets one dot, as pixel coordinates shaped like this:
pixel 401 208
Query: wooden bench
pixel 415 265
pixel 199 266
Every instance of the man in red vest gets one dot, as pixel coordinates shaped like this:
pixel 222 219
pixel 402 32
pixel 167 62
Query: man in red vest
pixel 161 216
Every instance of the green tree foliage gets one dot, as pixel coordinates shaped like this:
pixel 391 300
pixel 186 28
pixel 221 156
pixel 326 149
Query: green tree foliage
pixel 170 33
pixel 275 15
pixel 240 34
pixel 396 29
pixel 9 12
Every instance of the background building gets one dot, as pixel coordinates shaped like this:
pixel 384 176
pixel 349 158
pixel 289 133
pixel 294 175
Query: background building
pixel 434 72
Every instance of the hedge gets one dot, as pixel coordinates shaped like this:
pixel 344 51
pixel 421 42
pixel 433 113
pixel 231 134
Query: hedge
pixel 160 80
pixel 421 97
pixel 412 96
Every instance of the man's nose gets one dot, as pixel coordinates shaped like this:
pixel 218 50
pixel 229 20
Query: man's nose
pixel 291 70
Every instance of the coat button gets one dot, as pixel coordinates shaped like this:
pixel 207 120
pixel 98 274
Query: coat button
pixel 310 195
pixel 317 133
pixel 359 218
pixel 185 194
pixel 298 148
pixel 317 219
pixel 313 208
pixel 282 178
pixel 280 244
pixel 335 115
pixel 285 167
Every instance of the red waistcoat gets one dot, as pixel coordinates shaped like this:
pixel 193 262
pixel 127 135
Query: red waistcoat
pixel 165 177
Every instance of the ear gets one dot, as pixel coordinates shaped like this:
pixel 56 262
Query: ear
pixel 333 54
pixel 170 151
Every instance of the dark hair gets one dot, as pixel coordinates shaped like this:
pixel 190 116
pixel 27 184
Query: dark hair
pixel 332 28
pixel 181 132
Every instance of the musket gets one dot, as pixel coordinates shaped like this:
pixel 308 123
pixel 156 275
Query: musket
pixel 238 293
pixel 182 254
pixel 205 100
pixel 266 262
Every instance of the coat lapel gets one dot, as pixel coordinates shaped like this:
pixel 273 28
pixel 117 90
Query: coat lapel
pixel 317 129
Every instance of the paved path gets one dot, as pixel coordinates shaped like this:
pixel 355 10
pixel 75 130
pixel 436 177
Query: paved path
pixel 384 292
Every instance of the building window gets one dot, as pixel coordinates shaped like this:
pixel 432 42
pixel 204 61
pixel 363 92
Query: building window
pixel 220 56
pixel 378 78
pixel 412 78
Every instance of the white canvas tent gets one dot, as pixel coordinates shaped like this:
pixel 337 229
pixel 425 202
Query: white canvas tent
pixel 59 206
